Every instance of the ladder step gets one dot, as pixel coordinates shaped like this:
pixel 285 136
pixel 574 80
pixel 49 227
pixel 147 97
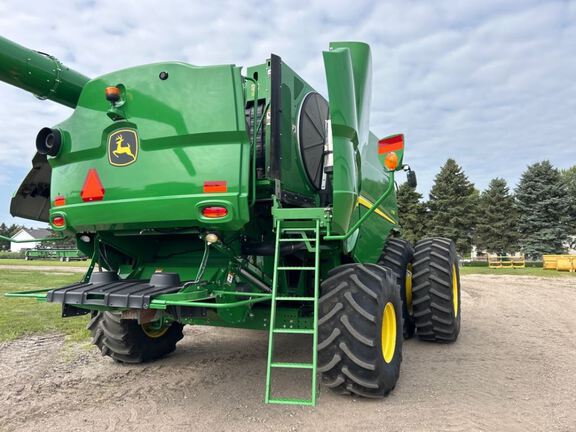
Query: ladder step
pixel 296 268
pixel 293 331
pixel 298 240
pixel 295 299
pixel 298 229
pixel 288 401
pixel 292 365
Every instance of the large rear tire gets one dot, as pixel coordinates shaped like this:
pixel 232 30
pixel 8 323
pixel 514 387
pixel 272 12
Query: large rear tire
pixel 436 292
pixel 397 256
pixel 360 330
pixel 126 341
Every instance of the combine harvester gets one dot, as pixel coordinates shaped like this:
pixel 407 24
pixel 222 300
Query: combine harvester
pixel 207 197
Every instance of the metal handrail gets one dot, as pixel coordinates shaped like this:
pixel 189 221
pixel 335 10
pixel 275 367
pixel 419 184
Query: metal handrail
pixel 365 216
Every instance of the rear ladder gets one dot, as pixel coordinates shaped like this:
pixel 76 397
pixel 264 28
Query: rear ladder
pixel 307 228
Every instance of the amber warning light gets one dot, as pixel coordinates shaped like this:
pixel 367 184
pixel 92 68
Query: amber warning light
pixel 112 94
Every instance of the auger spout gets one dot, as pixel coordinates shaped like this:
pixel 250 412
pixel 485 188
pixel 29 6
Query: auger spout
pixel 40 74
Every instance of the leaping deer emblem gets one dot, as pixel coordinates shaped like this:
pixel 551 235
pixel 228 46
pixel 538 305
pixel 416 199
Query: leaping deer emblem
pixel 120 149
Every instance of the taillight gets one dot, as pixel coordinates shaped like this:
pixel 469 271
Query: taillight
pixel 58 221
pixel 214 212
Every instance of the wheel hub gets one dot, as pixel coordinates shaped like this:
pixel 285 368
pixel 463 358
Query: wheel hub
pixel 455 290
pixel 388 332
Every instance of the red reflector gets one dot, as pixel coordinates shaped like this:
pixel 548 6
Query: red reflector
pixel 214 212
pixel 392 143
pixel 59 201
pixel 92 189
pixel 215 186
pixel 58 221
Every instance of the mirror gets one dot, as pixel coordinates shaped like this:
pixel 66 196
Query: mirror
pixel 411 179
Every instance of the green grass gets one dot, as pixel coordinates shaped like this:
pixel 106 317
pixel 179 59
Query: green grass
pixel 516 272
pixel 12 261
pixel 20 316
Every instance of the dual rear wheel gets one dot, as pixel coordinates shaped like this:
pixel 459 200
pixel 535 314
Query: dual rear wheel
pixel 366 310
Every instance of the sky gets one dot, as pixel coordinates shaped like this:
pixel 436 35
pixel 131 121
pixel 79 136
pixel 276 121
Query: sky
pixel 490 83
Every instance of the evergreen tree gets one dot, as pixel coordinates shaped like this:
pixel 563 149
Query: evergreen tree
pixel 412 213
pixel 543 207
pixel 13 229
pixel 569 179
pixel 453 203
pixel 497 219
pixel 4 244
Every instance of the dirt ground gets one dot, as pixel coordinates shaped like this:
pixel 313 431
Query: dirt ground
pixel 512 369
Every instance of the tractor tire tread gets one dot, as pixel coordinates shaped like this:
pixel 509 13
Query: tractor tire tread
pixel 434 314
pixel 125 341
pixel 349 356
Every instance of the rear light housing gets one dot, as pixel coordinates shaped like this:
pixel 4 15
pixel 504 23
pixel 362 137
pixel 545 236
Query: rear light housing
pixel 58 221
pixel 214 212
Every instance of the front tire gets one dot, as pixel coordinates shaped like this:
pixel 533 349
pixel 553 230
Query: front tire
pixel 360 330
pixel 436 293
pixel 126 341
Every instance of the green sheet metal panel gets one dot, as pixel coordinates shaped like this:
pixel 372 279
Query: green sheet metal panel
pixel 185 138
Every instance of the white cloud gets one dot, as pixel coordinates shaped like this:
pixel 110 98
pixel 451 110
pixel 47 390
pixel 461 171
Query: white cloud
pixel 488 82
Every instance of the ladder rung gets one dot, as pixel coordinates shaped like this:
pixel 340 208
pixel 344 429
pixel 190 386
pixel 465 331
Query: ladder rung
pixel 301 240
pixel 288 401
pixel 293 331
pixel 295 298
pixel 296 268
pixel 298 229
pixel 292 365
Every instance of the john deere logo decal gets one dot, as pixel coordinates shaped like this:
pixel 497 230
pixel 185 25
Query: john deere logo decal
pixel 123 147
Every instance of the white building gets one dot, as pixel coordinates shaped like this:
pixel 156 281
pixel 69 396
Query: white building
pixel 28 234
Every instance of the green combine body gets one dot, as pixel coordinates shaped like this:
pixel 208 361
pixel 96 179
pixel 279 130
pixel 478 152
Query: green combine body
pixel 208 197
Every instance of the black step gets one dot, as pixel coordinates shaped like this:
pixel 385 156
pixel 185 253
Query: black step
pixel 105 289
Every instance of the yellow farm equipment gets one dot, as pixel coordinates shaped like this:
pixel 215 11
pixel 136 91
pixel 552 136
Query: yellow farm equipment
pixel 559 262
pixel 503 261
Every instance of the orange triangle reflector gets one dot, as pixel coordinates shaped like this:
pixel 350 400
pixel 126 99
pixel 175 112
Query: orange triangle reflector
pixel 92 189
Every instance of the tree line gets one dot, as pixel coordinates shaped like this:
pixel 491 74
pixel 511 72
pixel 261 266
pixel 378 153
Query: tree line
pixel 7 231
pixel 538 217
pixel 11 230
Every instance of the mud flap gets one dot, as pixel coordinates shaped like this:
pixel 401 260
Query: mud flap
pixel 32 200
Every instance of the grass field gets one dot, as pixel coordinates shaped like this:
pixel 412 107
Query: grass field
pixel 516 272
pixel 11 261
pixel 21 316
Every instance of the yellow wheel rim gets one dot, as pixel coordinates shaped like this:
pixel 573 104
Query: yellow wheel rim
pixel 408 287
pixel 455 298
pixel 153 332
pixel 388 332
